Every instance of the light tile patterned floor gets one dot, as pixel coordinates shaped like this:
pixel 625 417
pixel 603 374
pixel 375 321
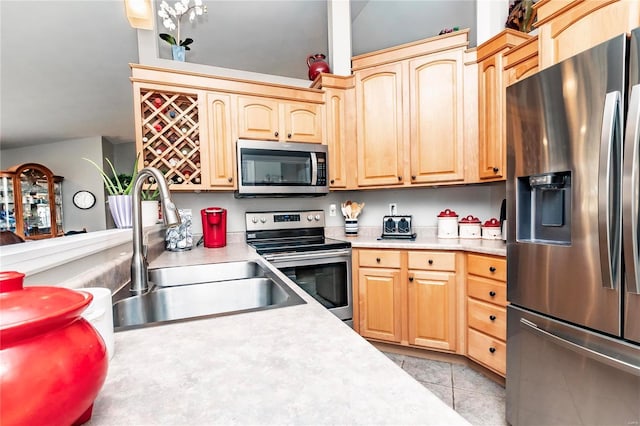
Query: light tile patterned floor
pixel 478 399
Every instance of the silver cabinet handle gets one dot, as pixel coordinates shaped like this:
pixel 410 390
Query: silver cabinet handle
pixel 274 258
pixel 581 350
pixel 630 192
pixel 609 215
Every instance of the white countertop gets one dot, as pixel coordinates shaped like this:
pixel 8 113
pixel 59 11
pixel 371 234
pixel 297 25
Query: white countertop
pixel 425 240
pixel 293 365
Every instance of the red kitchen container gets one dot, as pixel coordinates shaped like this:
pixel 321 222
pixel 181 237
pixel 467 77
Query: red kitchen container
pixel 53 362
pixel 214 227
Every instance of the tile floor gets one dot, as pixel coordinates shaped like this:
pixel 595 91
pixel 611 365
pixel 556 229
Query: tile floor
pixel 476 398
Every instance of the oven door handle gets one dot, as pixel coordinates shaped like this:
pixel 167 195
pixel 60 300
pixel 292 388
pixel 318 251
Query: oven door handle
pixel 305 256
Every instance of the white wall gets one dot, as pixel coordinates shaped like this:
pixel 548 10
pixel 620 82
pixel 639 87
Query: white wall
pixel 491 18
pixel 65 159
pixel 424 204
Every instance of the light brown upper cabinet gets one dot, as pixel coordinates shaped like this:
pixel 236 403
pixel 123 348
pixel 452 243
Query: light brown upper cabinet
pixel 340 131
pixel 570 27
pixel 187 123
pixel 380 125
pixel 171 126
pixel 410 113
pixel 521 61
pixel 270 119
pixel 221 143
pixel 491 104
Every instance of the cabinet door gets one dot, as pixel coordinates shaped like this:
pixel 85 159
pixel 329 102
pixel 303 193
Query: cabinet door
pixel 379 125
pixel 380 303
pixel 302 122
pixel 436 85
pixel 335 106
pixel 491 143
pixel 221 144
pixel 580 25
pixel 432 309
pixel 258 118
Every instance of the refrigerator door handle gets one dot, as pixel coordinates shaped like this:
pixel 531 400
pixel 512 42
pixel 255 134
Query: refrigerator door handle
pixel 582 350
pixel 630 192
pixel 608 192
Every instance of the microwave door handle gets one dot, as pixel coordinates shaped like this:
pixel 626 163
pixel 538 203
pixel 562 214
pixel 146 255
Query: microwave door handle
pixel 630 192
pixel 314 169
pixel 608 212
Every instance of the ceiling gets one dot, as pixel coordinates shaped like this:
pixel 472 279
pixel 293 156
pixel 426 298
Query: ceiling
pixel 64 70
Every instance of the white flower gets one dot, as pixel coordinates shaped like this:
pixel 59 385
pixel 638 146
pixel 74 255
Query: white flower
pixel 168 24
pixel 163 14
pixel 185 3
pixel 192 15
pixel 180 8
pixel 197 2
pixel 199 10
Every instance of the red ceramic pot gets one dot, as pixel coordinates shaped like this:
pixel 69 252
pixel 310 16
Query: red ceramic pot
pixel 52 361
pixel 317 65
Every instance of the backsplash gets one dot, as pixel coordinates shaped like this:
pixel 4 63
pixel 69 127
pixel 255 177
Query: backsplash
pixel 424 204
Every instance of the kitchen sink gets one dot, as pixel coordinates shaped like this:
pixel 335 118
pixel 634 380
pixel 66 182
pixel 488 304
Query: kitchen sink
pixel 187 275
pixel 191 292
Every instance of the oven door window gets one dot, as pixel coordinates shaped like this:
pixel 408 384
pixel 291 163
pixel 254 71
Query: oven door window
pixel 264 168
pixel 326 283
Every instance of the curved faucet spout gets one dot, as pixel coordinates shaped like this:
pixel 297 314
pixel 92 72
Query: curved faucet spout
pixel 139 265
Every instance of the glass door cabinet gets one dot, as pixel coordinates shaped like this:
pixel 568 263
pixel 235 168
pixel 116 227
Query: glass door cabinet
pixel 31 201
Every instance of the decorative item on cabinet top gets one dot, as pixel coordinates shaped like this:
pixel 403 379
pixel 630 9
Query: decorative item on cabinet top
pixel 171 135
pixel 171 19
pixel 317 65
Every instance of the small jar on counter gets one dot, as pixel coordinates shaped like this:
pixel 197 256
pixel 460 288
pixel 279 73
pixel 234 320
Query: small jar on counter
pixel 491 229
pixel 447 224
pixel 470 227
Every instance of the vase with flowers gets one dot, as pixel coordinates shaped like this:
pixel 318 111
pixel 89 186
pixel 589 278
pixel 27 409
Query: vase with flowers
pixel 171 19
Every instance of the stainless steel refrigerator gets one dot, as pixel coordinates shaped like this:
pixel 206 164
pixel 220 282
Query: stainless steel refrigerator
pixel 573 325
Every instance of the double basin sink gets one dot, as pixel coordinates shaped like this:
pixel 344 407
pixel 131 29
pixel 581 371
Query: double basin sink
pixel 190 292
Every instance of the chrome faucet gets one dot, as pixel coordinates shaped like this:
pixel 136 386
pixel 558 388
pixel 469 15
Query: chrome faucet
pixel 139 265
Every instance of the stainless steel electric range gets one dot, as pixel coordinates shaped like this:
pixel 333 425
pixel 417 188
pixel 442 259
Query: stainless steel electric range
pixel 294 242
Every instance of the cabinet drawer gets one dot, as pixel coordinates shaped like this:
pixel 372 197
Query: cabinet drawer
pixel 487 350
pixel 432 260
pixel 491 291
pixel 380 258
pixel 488 318
pixel 487 266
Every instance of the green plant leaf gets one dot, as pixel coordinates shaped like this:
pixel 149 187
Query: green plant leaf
pixel 111 189
pixel 129 187
pixel 168 38
pixel 186 42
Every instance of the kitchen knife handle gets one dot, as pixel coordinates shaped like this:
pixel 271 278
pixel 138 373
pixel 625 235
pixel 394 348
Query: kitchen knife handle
pixel 631 192
pixel 609 213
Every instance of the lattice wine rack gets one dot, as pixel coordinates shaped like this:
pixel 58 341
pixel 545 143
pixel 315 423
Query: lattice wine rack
pixel 171 135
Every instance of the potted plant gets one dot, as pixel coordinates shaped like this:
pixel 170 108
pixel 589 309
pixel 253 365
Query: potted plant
pixel 171 18
pixel 150 206
pixel 119 188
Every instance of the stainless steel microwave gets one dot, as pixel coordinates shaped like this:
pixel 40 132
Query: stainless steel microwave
pixel 268 168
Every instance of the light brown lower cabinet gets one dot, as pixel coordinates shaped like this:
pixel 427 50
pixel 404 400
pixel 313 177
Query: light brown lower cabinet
pixel 406 297
pixel 487 311
pixel 445 301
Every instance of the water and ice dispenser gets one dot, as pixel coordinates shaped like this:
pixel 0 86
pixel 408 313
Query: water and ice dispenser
pixel 544 208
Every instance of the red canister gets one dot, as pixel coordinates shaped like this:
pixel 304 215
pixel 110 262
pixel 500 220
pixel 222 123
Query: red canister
pixel 53 362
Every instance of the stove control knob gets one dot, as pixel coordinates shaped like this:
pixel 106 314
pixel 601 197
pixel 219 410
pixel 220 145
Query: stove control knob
pixel 317 218
pixel 254 219
pixel 263 219
pixel 310 218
